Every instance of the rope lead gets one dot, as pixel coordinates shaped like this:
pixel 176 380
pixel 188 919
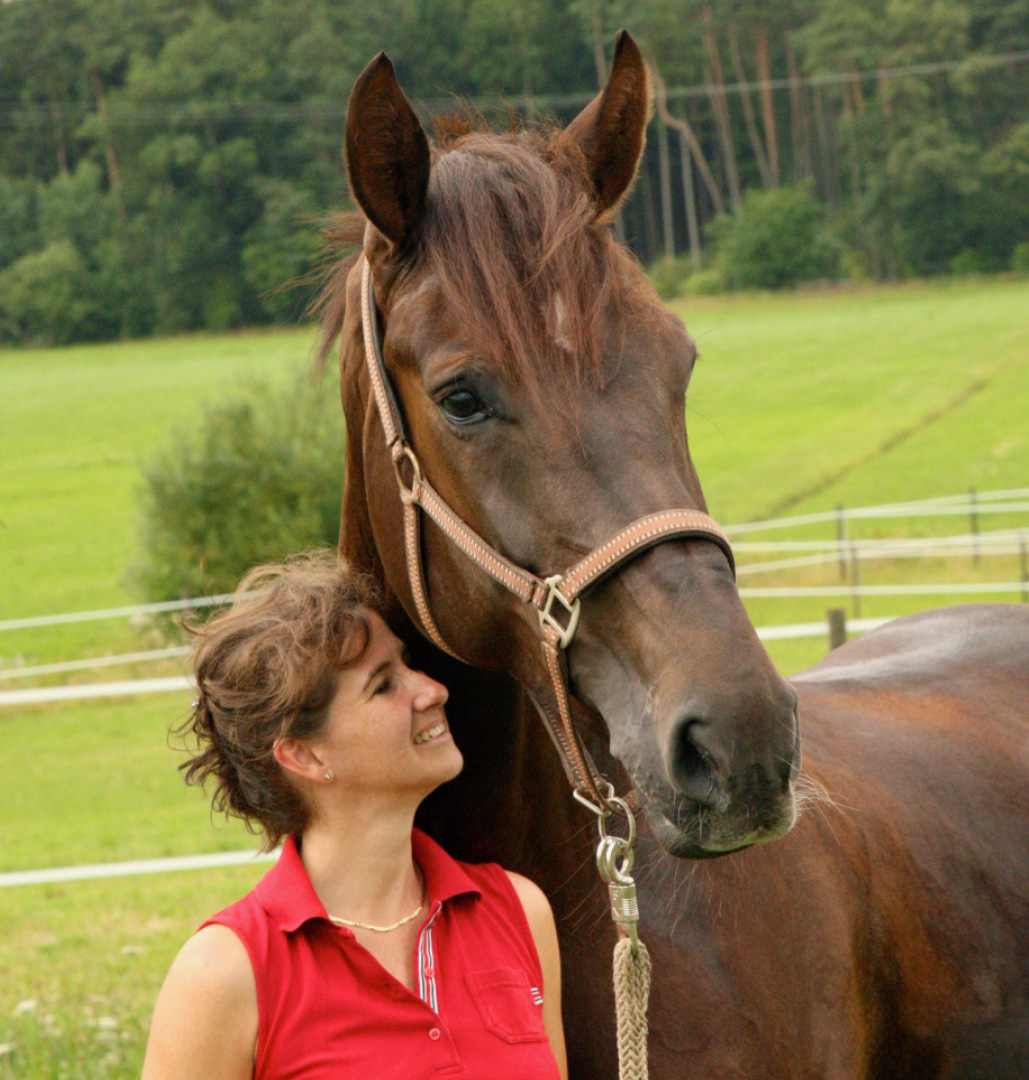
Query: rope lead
pixel 632 994
pixel 632 963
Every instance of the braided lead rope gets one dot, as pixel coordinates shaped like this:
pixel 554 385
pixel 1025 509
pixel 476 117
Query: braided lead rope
pixel 632 996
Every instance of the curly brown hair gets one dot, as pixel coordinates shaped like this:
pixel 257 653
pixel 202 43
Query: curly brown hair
pixel 266 669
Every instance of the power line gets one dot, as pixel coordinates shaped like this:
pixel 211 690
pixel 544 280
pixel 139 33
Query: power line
pixel 321 110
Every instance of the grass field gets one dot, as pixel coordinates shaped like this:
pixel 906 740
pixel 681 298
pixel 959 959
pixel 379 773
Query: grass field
pixel 799 402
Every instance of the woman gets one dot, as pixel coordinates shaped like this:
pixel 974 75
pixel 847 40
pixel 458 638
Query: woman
pixel 366 951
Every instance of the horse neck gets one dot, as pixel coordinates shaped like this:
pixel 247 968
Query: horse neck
pixel 512 803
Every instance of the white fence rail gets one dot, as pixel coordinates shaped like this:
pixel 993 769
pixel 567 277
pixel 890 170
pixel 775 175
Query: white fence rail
pixel 1012 500
pixel 950 589
pixel 117 613
pixel 847 552
pixel 93 871
pixel 40 695
pixel 976 544
pixel 92 662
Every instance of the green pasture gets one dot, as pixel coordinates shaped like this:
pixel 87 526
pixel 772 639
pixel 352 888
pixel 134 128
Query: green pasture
pixel 798 402
pixel 75 426
pixel 81 964
pixel 862 397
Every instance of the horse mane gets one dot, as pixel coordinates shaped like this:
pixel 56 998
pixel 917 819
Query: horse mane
pixel 509 235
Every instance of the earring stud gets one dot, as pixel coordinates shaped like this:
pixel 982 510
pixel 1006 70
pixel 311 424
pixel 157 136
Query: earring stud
pixel 328 775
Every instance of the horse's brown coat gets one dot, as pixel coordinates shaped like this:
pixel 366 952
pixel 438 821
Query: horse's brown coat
pixel 887 935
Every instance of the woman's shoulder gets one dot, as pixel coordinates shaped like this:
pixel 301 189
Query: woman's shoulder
pixel 528 892
pixel 530 896
pixel 534 902
pixel 209 992
pixel 215 960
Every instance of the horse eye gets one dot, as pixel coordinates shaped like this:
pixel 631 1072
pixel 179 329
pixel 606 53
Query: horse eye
pixel 463 407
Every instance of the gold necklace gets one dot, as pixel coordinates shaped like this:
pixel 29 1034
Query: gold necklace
pixel 381 929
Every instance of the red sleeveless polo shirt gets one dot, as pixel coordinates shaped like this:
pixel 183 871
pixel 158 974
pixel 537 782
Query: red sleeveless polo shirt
pixel 327 1010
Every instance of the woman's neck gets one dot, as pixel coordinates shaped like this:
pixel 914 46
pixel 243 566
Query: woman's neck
pixel 361 865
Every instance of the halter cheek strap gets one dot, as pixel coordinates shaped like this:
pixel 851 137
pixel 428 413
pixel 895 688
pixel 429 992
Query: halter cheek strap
pixel 555 599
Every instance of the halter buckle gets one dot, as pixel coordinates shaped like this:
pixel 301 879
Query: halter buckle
pixel 566 632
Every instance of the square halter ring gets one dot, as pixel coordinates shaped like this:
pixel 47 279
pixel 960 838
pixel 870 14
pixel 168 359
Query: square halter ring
pixel 566 632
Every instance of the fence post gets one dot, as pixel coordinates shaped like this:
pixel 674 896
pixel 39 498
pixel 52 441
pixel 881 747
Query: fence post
pixel 837 618
pixel 855 581
pixel 973 513
pixel 841 539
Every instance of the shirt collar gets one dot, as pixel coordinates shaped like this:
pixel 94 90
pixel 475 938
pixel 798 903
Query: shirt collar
pixel 288 896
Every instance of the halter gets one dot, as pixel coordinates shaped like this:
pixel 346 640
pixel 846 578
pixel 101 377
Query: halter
pixel 555 599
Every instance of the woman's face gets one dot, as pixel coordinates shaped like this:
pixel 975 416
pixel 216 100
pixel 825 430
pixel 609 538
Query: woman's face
pixel 386 729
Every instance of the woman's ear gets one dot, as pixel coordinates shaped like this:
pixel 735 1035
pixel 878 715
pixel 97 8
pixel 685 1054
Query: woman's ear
pixel 299 759
pixel 387 153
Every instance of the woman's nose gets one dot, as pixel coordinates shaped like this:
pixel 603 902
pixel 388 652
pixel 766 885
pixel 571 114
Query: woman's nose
pixel 429 694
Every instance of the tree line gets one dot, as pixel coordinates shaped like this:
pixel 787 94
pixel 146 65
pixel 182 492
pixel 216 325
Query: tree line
pixel 164 163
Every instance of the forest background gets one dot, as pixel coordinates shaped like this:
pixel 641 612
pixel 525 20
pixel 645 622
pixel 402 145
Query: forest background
pixel 164 163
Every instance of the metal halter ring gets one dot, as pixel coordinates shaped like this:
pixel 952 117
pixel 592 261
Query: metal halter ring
pixel 547 619
pixel 611 805
pixel 612 871
pixel 401 453
pixel 615 859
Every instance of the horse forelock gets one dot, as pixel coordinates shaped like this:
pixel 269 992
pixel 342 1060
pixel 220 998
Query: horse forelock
pixel 510 237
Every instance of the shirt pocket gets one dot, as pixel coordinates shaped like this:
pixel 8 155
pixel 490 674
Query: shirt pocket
pixel 505 1003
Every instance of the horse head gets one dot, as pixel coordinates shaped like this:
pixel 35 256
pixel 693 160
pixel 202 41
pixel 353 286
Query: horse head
pixel 543 386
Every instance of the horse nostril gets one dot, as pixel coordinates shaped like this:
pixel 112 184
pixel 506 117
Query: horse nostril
pixel 690 767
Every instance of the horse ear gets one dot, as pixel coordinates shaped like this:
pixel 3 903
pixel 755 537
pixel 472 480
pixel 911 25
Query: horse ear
pixel 387 153
pixel 611 130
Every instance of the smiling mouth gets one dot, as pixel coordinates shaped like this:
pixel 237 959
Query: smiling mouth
pixel 432 733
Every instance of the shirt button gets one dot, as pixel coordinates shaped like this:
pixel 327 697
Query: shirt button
pixel 434 1034
pixel 429 972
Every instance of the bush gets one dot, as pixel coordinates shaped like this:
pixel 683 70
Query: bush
pixel 776 241
pixel 668 275
pixel 259 475
pixel 705 283
pixel 48 297
pixel 971 262
pixel 1020 258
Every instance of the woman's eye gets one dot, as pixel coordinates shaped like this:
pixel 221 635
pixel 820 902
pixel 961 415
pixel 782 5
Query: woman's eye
pixel 385 686
pixel 463 407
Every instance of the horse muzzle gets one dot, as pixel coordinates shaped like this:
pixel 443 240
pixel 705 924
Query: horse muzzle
pixel 720 792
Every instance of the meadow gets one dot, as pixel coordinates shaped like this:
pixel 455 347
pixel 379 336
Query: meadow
pixel 799 402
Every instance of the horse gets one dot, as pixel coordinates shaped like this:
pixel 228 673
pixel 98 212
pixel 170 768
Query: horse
pixel 884 930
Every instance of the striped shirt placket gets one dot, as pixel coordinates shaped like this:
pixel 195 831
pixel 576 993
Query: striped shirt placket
pixel 427 964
